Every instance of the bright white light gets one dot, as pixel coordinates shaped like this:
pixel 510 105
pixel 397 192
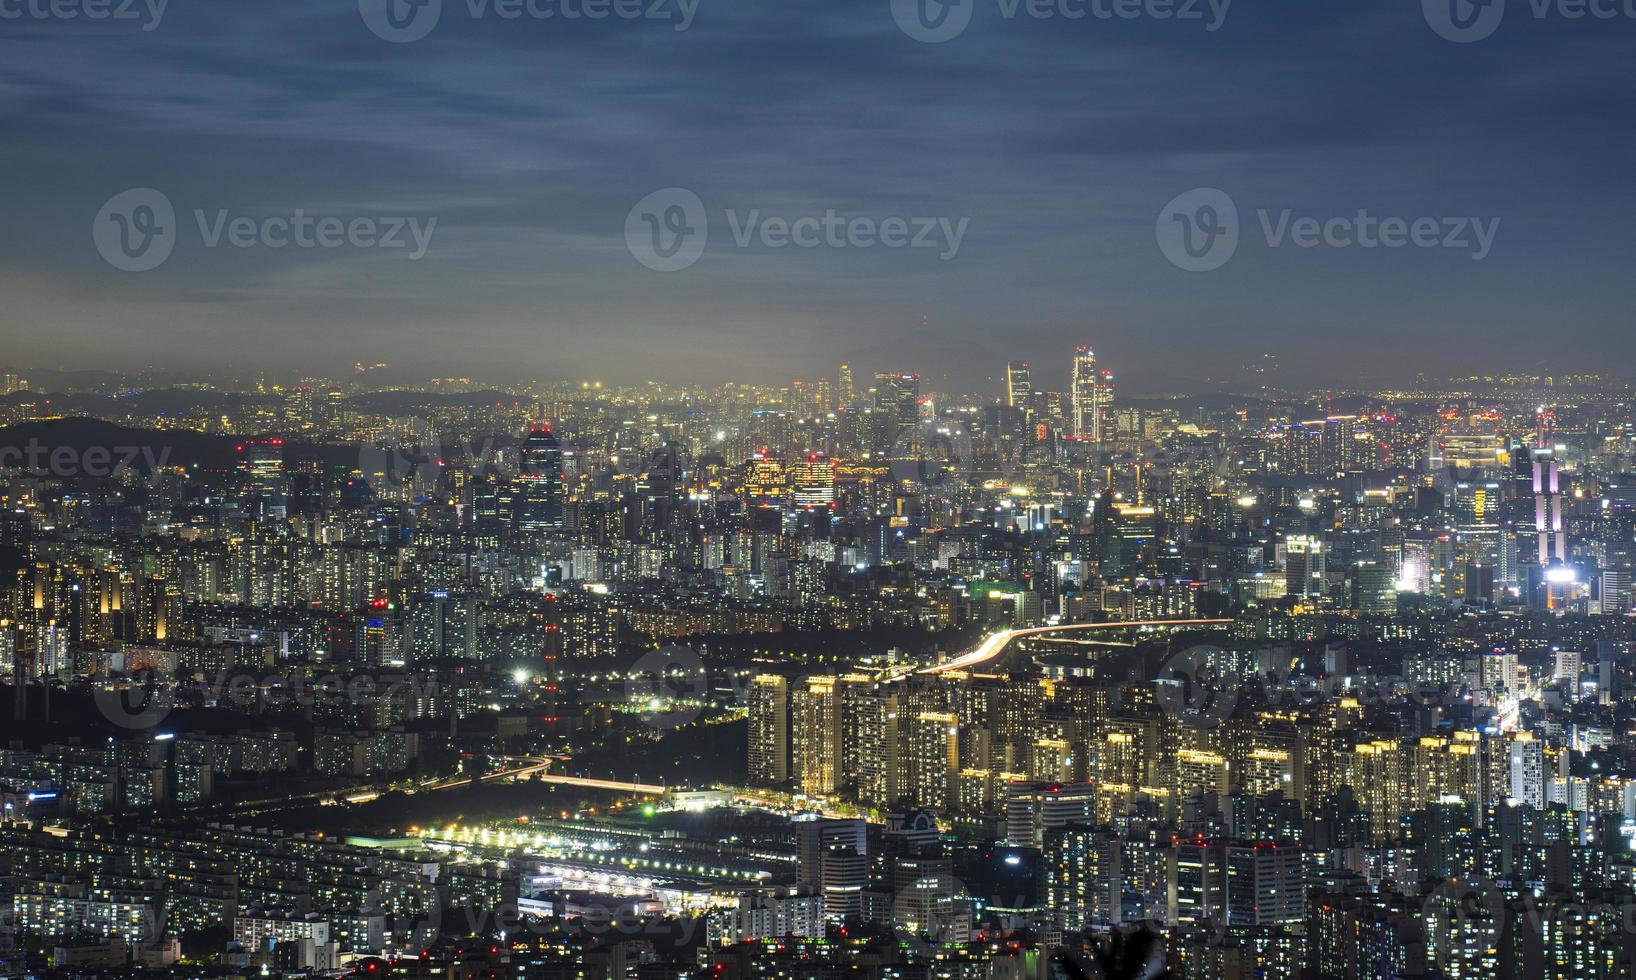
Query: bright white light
pixel 1561 574
pixel 520 676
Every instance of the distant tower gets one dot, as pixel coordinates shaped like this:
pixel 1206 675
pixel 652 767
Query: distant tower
pixel 899 395
pixel 540 502
pixel 844 389
pixel 1090 397
pixel 1548 525
pixel 1555 575
pixel 1103 400
pixel 1019 388
pixel 261 465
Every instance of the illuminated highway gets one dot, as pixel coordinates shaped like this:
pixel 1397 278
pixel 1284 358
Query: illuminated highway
pixel 638 789
pixel 531 767
pixel 537 769
pixel 995 644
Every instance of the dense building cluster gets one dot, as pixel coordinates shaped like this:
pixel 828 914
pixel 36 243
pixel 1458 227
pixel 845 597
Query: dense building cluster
pixel 848 677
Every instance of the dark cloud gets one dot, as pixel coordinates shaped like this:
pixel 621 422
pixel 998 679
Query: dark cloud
pixel 1058 141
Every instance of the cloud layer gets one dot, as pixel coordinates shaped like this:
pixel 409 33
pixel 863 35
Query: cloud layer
pixel 529 140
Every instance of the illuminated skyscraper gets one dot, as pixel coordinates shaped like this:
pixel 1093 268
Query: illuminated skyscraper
pixel 765 480
pixel 1305 566
pixel 539 505
pixel 899 395
pixel 1551 582
pixel 1019 388
pixel 812 480
pixel 1552 538
pixel 1082 394
pixel 153 614
pixel 1105 428
pixel 1090 397
pixel 261 465
pixel 844 389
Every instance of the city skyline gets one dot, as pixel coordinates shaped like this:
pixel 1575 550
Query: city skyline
pixel 1260 377
pixel 342 677
pixel 803 489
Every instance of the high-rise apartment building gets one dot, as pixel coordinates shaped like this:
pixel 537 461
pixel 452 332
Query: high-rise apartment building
pixel 815 713
pixel 873 720
pixel 769 730
pixel 934 756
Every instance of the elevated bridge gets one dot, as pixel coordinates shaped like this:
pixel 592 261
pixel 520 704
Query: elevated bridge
pixel 994 646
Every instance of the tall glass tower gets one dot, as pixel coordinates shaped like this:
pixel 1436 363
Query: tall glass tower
pixel 539 504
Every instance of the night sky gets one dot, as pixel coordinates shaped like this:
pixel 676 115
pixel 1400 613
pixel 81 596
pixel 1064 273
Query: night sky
pixel 1054 143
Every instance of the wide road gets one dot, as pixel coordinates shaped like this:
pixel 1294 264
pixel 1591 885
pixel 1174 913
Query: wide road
pixel 994 645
